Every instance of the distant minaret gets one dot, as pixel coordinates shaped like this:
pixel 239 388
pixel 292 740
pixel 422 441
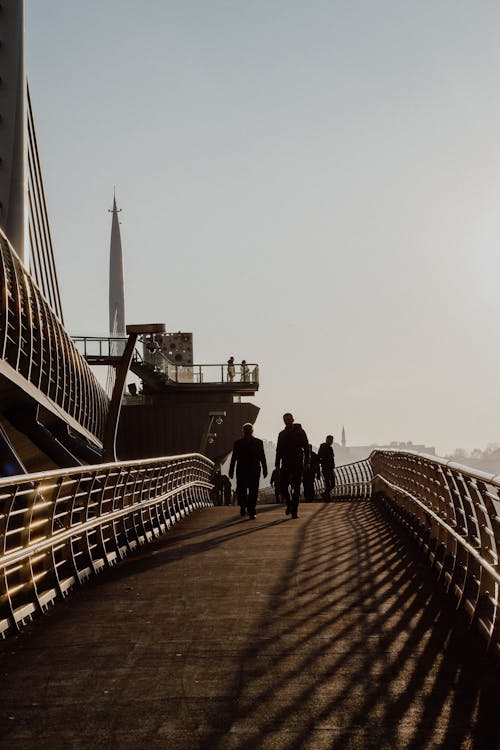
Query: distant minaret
pixel 343 437
pixel 116 287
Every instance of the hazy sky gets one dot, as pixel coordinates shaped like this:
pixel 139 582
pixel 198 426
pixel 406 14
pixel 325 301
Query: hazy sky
pixel 314 186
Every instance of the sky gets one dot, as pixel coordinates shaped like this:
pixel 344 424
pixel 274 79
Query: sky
pixel 312 186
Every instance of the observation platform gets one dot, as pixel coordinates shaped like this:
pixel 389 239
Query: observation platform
pixel 160 374
pixel 226 633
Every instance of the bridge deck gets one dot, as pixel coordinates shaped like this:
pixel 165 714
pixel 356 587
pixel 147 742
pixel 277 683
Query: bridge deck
pixel 324 632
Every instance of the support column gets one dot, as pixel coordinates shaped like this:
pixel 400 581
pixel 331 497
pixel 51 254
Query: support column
pixel 109 441
pixel 13 125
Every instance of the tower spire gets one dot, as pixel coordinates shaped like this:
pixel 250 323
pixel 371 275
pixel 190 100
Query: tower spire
pixel 116 285
pixel 343 437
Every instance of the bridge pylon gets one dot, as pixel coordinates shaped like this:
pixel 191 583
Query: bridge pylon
pixel 13 126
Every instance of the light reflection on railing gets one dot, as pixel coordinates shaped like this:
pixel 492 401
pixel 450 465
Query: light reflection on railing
pixel 453 512
pixel 35 344
pixel 58 528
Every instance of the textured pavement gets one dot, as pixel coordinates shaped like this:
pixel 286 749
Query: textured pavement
pixel 325 632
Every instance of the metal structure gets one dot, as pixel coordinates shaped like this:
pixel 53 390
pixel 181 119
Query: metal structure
pixel 353 481
pixel 109 439
pixel 13 130
pixel 453 513
pixel 22 195
pixel 203 373
pixel 38 356
pixel 42 263
pixel 101 350
pixel 58 528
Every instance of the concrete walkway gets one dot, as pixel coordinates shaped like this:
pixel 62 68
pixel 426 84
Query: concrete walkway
pixel 325 632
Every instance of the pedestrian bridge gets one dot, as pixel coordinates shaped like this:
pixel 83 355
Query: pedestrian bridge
pixel 371 622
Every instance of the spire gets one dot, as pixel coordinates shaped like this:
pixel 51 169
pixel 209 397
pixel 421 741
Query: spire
pixel 343 437
pixel 116 286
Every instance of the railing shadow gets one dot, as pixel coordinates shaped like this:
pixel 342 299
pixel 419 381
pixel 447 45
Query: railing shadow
pixel 359 649
pixel 356 647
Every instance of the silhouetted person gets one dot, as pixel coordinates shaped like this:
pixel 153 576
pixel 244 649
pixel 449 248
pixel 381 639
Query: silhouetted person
pixel 309 475
pixel 292 456
pixel 275 482
pixel 245 372
pixel 226 490
pixel 248 456
pixel 217 490
pixel 231 369
pixel 327 462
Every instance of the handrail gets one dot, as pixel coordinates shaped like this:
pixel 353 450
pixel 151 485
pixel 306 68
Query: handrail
pixel 453 512
pixel 106 346
pixel 59 527
pixel 202 373
pixel 111 347
pixel 352 481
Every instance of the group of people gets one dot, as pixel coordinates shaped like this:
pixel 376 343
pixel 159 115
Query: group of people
pixel 295 463
pixel 244 370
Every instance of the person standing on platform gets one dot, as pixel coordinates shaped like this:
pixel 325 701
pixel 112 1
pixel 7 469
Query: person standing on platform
pixel 327 461
pixel 248 456
pixel 309 475
pixel 292 458
pixel 231 369
pixel 245 372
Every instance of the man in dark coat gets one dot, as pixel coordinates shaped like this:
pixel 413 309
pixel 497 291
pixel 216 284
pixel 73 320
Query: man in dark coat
pixel 248 456
pixel 327 463
pixel 292 457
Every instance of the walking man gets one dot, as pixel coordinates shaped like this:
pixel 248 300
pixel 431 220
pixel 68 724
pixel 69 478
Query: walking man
pixel 248 456
pixel 292 457
pixel 327 463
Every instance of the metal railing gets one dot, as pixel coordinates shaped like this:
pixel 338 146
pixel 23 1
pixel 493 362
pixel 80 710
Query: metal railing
pixel 57 528
pixel 353 481
pixel 34 343
pixel 454 514
pixel 201 373
pixel 109 347
pixel 42 263
pixel 100 346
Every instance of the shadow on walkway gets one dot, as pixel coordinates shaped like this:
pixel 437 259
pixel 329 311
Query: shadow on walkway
pixel 327 632
pixel 359 649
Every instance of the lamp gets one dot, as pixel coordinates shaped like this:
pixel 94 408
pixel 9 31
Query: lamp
pixel 209 436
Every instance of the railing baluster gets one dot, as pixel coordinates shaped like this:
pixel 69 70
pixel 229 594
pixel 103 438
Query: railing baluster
pixel 453 512
pixel 57 528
